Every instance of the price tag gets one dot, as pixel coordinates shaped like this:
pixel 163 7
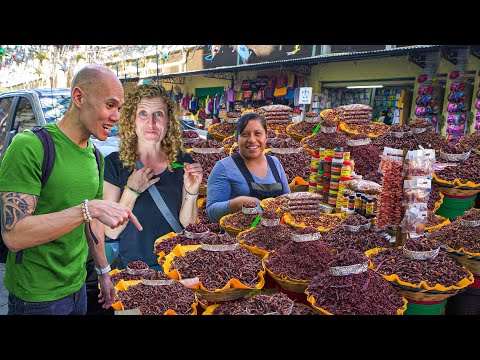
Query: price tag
pixel 316 128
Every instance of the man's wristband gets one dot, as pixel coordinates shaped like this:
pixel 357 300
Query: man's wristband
pixel 103 271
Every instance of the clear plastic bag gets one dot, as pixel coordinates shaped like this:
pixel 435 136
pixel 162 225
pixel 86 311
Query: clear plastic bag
pixel 415 219
pixel 416 190
pixel 419 163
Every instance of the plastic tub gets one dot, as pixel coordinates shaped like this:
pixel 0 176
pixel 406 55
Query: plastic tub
pixel 452 207
pixel 425 308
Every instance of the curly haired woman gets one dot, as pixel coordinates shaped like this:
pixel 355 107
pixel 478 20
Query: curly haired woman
pixel 150 136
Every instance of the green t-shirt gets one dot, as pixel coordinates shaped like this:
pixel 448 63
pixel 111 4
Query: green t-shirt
pixel 55 269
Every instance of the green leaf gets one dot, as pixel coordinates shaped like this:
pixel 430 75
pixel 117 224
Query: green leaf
pixel 316 128
pixel 256 221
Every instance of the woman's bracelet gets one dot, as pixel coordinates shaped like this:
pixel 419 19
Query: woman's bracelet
pixel 189 193
pixel 85 212
pixel 129 188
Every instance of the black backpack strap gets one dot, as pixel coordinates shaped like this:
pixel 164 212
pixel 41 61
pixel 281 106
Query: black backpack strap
pixel 48 153
pixel 98 157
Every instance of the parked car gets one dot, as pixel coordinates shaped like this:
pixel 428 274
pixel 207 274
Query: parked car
pixel 24 109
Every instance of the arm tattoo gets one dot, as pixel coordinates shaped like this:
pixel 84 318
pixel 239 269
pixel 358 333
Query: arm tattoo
pixel 14 207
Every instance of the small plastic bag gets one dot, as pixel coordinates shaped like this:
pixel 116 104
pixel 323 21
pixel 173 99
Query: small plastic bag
pixel 416 190
pixel 415 219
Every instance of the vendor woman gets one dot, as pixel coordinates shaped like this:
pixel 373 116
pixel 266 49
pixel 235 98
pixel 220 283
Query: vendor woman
pixel 248 175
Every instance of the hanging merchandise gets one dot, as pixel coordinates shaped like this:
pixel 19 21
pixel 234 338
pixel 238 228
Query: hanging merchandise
pixel 230 94
pixel 247 94
pixel 281 80
pixel 280 91
pixel 186 102
pixel 456 108
pixel 290 93
pixel 245 85
pixel 193 104
pixel 260 95
pixel 422 78
pixel 477 109
pixel 426 100
pixel 208 105
pixel 290 80
pixel 217 103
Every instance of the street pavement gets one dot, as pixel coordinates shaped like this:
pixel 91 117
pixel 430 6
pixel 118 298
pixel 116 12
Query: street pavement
pixel 3 292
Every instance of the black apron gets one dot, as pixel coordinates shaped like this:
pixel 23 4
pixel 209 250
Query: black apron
pixel 260 191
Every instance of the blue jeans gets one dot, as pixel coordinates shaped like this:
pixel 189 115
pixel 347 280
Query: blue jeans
pixel 73 304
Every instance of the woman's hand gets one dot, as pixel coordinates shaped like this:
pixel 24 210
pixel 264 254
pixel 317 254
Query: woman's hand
pixel 141 179
pixel 236 203
pixel 192 177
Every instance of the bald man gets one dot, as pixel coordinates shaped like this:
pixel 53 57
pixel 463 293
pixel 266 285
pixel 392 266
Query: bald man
pixel 45 228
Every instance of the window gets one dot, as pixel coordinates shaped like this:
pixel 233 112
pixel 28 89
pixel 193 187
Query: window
pixel 5 105
pixel 54 106
pixel 24 117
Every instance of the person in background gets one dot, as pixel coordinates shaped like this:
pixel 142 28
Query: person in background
pixel 385 118
pixel 150 134
pixel 45 228
pixel 248 175
pixel 388 118
pixel 381 118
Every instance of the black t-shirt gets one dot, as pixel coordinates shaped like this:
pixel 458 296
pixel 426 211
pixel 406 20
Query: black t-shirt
pixel 138 245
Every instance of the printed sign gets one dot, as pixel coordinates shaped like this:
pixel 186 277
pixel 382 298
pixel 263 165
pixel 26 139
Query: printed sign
pixel 305 96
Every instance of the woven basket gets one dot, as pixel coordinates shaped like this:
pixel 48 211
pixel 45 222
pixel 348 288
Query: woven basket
pixel 423 291
pixel 215 135
pixel 468 261
pixel 225 295
pixel 344 127
pixel 424 295
pixel 322 311
pixel 227 147
pixel 289 284
pixel 294 135
pixel 264 202
pixel 456 187
pixel 234 289
pixel 119 306
pixel 288 220
pixel 233 232
pixel 323 114
pixel 161 255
